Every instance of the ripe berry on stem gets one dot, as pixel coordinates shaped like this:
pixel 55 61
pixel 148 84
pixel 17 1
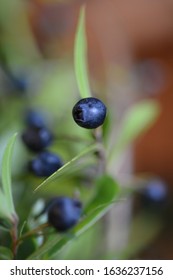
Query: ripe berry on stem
pixel 45 164
pixel 64 213
pixel 89 112
pixel 34 119
pixel 37 139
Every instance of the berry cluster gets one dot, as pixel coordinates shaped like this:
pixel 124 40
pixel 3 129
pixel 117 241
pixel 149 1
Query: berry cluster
pixel 37 137
pixel 62 212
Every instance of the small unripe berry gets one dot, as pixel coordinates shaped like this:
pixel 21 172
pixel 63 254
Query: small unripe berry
pixel 64 213
pixel 89 112
pixel 45 164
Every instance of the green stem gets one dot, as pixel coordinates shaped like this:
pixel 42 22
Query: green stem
pixel 33 232
pixel 14 235
pixel 101 155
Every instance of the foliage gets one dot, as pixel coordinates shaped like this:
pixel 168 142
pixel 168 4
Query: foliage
pixel 86 156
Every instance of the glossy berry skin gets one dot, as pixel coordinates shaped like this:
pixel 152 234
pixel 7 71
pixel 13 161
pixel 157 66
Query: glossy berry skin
pixel 64 213
pixel 89 112
pixel 34 119
pixel 37 139
pixel 45 164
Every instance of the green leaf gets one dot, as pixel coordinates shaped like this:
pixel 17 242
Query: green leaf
pixel 80 57
pixel 137 120
pixel 69 167
pixel 107 191
pixel 6 173
pixel 4 209
pixel 5 253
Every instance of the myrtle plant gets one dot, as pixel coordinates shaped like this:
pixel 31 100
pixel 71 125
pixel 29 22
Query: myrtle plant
pixel 67 197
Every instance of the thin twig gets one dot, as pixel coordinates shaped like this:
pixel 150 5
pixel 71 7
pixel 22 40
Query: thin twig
pixel 101 155
pixel 33 232
pixel 14 235
pixel 102 166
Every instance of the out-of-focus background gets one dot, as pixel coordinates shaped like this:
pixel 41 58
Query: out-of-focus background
pixel 130 57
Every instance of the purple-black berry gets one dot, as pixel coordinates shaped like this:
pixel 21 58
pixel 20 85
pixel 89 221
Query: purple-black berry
pixel 45 164
pixel 64 213
pixel 35 119
pixel 37 139
pixel 89 112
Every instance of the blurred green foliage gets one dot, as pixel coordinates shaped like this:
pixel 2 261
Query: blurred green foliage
pixel 51 86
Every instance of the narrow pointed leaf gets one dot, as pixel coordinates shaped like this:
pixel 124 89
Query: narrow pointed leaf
pixel 69 167
pixel 80 57
pixel 6 173
pixel 4 209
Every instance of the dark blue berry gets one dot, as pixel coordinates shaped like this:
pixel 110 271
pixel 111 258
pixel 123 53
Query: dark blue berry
pixel 34 119
pixel 45 164
pixel 89 112
pixel 156 190
pixel 64 213
pixel 15 82
pixel 155 193
pixel 20 84
pixel 37 139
